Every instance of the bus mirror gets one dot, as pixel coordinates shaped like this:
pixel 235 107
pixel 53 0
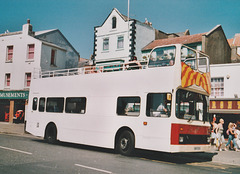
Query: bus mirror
pixel 169 97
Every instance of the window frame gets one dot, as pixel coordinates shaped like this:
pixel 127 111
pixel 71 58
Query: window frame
pixel 41 108
pixel 120 42
pixel 9 56
pixel 81 109
pixel 56 108
pixel 114 22
pixel 162 56
pixel 166 99
pixel 106 44
pixel 34 103
pixel 187 107
pixel 30 51
pixel 28 80
pixel 217 83
pixel 7 83
pixel 121 109
pixel 53 57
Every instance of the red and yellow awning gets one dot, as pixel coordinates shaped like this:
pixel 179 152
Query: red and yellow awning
pixel 190 77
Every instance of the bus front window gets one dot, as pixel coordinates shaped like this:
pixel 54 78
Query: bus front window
pixel 191 105
pixel 163 56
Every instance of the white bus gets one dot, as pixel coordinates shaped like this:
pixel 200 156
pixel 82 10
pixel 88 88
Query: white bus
pixel 159 105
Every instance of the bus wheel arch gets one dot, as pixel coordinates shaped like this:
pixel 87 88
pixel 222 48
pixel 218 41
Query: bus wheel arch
pixel 125 141
pixel 51 133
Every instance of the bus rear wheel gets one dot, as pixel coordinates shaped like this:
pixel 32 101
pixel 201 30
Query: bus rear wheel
pixel 126 143
pixel 51 133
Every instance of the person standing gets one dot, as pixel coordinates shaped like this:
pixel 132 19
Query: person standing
pixel 213 131
pixel 219 134
pixel 236 140
pixel 231 135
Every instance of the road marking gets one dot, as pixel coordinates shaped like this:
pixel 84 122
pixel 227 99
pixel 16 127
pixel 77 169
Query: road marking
pixel 15 150
pixel 92 168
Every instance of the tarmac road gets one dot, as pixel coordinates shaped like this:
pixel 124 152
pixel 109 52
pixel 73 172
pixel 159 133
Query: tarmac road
pixel 224 157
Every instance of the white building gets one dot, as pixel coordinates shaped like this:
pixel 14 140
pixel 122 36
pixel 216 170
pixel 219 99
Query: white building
pixel 225 92
pixel 119 39
pixel 20 53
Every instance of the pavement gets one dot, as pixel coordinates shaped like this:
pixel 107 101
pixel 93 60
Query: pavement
pixel 226 157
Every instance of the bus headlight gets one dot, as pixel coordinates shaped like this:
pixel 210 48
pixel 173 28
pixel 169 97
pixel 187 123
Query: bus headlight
pixel 181 139
pixel 208 139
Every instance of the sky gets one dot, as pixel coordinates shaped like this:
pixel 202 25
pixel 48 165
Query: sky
pixel 76 19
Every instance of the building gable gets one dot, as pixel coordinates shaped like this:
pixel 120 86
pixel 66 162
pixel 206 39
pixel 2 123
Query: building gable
pixel 216 46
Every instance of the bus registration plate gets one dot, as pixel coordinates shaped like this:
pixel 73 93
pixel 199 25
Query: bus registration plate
pixel 197 148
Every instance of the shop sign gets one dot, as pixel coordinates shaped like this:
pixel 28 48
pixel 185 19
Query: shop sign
pixel 232 104
pixel 14 94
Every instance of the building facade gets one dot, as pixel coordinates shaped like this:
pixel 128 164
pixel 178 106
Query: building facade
pixel 119 38
pixel 20 53
pixel 214 43
pixel 235 47
pixel 225 92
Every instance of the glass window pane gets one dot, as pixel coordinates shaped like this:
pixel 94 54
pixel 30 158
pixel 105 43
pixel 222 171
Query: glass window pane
pixel 129 106
pixel 158 105
pixel 41 105
pixel 34 105
pixel 163 56
pixel 76 105
pixel 106 44
pixel 55 104
pixel 191 105
pixel 120 42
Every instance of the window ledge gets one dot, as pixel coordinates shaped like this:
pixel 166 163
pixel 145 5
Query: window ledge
pixel 29 60
pixel 105 51
pixel 119 49
pixel 53 65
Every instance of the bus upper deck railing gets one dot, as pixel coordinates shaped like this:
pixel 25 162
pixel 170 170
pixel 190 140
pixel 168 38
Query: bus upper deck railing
pixel 200 66
pixel 111 67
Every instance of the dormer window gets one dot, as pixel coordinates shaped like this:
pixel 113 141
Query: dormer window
pixel 114 22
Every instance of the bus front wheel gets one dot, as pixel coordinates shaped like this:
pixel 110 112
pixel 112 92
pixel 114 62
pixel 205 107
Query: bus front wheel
pixel 51 133
pixel 126 143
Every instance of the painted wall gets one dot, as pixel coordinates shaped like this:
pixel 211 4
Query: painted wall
pixel 216 46
pixel 106 31
pixel 144 35
pixel 60 55
pixel 70 57
pixel 136 36
pixel 19 64
pixel 230 73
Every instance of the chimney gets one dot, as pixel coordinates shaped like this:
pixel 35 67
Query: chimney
pixel 27 28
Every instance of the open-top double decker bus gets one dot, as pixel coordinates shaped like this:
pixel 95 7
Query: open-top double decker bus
pixel 159 105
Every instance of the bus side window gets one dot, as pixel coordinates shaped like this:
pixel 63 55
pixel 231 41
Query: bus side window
pixel 34 105
pixel 76 105
pixel 158 105
pixel 41 106
pixel 129 106
pixel 55 104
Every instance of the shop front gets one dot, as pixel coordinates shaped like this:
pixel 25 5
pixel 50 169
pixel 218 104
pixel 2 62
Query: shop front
pixel 12 106
pixel 228 109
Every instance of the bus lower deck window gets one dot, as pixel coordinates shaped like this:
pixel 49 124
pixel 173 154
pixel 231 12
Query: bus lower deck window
pixel 158 105
pixel 55 104
pixel 76 105
pixel 129 106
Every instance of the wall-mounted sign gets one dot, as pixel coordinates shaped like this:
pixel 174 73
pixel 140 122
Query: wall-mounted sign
pixel 14 94
pixel 227 104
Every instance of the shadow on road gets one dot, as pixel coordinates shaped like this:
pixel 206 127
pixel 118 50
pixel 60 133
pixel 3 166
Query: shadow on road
pixel 178 158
